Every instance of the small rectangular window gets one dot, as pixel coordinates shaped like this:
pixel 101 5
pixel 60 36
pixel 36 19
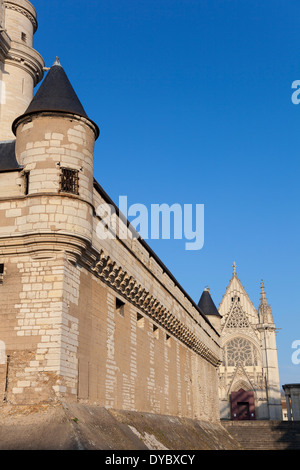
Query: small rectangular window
pixel 156 331
pixel 1 273
pixel 120 307
pixel 24 37
pixel 26 183
pixel 140 320
pixel 69 181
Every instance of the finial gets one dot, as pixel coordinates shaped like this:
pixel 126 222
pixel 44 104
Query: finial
pixel 57 61
pixel 234 267
pixel 207 289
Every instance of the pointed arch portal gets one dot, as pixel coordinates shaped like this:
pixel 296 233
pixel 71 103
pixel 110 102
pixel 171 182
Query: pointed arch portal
pixel 242 405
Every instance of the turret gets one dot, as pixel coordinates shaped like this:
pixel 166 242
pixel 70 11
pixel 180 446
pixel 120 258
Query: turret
pixel 267 332
pixel 264 309
pixel 21 67
pixel 55 134
pixel 54 145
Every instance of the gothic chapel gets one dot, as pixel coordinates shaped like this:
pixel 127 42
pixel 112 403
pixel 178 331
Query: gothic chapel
pixel 249 385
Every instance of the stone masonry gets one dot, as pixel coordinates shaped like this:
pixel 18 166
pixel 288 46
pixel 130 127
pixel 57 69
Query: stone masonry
pixel 88 319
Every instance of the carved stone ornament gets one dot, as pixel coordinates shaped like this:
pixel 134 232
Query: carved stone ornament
pixel 119 280
pixel 23 11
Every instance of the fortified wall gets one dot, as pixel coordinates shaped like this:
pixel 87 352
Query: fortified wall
pixel 83 318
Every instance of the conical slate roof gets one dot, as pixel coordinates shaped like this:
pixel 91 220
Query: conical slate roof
pixel 207 305
pixel 56 94
pixel 8 160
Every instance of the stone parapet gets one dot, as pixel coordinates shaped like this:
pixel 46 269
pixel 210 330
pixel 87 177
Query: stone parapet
pixel 25 8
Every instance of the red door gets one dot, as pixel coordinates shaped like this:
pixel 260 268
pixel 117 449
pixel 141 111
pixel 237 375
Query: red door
pixel 242 405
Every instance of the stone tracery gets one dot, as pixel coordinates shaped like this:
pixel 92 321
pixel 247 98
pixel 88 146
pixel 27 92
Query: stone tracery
pixel 240 351
pixel 237 318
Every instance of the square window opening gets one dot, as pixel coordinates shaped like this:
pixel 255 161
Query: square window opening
pixel 120 307
pixel 69 181
pixel 26 182
pixel 1 273
pixel 156 331
pixel 140 320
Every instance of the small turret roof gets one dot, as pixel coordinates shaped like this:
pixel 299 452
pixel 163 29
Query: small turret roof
pixel 8 160
pixel 56 94
pixel 206 304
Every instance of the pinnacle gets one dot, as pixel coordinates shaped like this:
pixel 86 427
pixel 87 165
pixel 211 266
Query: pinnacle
pixel 263 296
pixel 234 268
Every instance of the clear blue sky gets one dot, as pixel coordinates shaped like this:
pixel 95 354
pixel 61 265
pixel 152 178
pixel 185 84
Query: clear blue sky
pixel 193 99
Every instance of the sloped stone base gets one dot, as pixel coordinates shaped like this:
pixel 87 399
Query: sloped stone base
pixel 85 427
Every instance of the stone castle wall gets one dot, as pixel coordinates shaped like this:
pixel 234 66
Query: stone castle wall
pixel 64 337
pixel 83 317
pixel 62 332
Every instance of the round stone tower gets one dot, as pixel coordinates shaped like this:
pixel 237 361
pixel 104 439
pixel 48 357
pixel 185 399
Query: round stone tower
pixel 55 142
pixel 22 68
